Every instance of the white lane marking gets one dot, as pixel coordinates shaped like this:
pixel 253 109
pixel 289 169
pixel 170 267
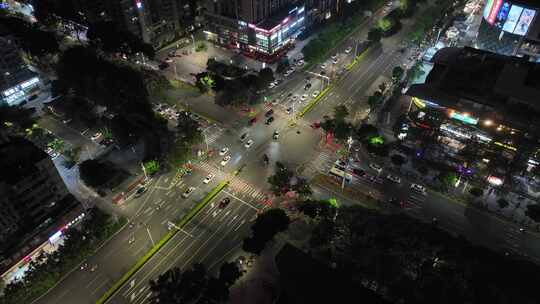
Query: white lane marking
pixel 93 280
pixel 152 212
pixel 240 225
pixel 232 220
pixel 105 281
pixel 147 210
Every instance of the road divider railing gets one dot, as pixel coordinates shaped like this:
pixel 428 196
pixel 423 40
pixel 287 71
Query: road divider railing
pixel 313 102
pixel 142 261
pixel 356 59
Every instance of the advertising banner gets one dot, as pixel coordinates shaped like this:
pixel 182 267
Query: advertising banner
pixel 502 15
pixel 494 11
pixel 524 22
pixel 487 8
pixel 513 17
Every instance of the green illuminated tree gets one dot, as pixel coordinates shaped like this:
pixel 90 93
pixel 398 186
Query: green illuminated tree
pixel 151 167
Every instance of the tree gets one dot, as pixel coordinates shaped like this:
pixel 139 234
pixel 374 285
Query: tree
pixel 94 173
pixel 316 209
pixel 397 73
pixel 266 226
pixel 375 99
pixel 281 180
pixel 264 78
pixel 57 145
pixel 175 286
pixel 113 39
pixel 342 130
pixel 302 187
pixel 229 273
pixel 477 192
pixel 366 131
pixel 375 35
pixel 398 160
pixel 151 167
pixel 448 179
pixel 502 203
pixel 16 117
pixel 340 112
pixel 533 211
pixel 71 156
pixel 188 130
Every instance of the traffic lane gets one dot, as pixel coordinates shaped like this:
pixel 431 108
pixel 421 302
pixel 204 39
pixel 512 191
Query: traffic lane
pixel 209 242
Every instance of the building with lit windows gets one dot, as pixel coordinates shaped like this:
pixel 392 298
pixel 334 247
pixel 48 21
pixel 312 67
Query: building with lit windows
pixel 154 21
pixel 34 201
pixel 483 98
pixel 511 28
pixel 17 81
pixel 260 29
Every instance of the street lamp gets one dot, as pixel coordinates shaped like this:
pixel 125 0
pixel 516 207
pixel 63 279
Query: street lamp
pixel 193 39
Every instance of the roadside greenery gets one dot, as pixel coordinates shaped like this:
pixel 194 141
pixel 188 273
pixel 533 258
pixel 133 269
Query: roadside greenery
pixel 79 244
pixel 266 226
pixel 283 180
pixel 151 167
pixel 411 262
pixel 337 125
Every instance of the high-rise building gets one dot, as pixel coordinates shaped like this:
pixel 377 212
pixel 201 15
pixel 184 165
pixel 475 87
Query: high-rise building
pixel 511 28
pixel 154 21
pixel 260 28
pixel 32 192
pixel 17 82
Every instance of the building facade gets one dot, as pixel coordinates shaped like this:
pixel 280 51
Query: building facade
pixel 511 28
pixel 17 82
pixel 31 190
pixel 263 29
pixel 155 21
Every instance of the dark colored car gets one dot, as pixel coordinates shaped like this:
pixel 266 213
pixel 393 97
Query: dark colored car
pixel 252 121
pixel 224 203
pixel 269 113
pixel 358 172
pixel 163 65
pixel 307 86
pixel 269 120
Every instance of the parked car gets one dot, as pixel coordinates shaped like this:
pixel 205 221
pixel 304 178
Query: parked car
pixel 252 121
pixel 303 97
pixel 376 167
pixel 244 136
pixel 276 135
pixel 315 94
pixel 307 86
pixel 393 178
pixel 269 120
pixel 348 50
pixel 269 113
pixel 140 192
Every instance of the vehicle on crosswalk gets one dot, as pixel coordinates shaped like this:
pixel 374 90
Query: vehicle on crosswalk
pixel 208 178
pixel 223 151
pixel 315 94
pixel 225 160
pixel 393 178
pixel 276 135
pixel 418 189
pixel 248 143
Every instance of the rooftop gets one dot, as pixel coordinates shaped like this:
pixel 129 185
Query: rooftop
pixel 17 159
pixel 276 19
pixel 493 80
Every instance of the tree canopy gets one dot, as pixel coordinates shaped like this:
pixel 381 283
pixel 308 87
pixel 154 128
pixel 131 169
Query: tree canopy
pixel 266 226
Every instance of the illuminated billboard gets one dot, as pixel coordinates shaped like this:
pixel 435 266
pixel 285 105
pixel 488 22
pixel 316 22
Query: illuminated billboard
pixel 524 22
pixel 513 17
pixel 494 11
pixel 487 8
pixel 502 15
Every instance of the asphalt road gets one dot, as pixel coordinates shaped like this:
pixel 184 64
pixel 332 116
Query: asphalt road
pixel 214 236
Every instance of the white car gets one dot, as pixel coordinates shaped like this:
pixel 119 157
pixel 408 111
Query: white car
pixel 304 97
pixel 287 73
pixel 168 60
pixel 418 188
pixel 223 151
pixel 376 167
pixel 188 192
pixel 208 178
pixel 271 85
pixel 315 94
pixel 225 160
pixel 348 50
pixel 323 66
pixel 334 57
pixel 248 143
pixel 53 154
pixel 96 136
pixel 300 63
pixel 393 178
pixel 335 61
pixel 294 97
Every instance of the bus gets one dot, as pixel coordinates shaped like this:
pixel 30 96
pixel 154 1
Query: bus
pixel 335 172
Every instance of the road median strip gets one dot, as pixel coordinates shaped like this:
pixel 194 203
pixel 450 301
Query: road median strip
pixel 142 261
pixel 313 102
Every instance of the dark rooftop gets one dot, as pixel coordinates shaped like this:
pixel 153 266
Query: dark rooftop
pixel 17 159
pixel 276 19
pixel 482 77
pixel 306 280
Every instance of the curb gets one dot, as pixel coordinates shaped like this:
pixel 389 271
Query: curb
pixel 314 102
pixel 139 264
